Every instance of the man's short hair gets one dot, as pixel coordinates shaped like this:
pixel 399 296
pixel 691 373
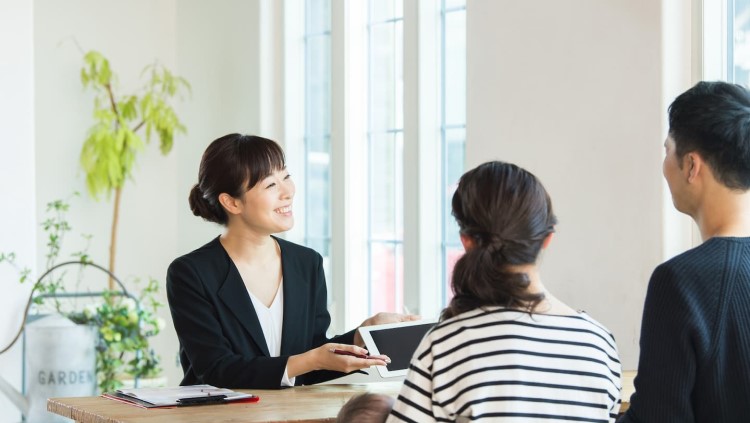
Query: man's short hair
pixel 713 120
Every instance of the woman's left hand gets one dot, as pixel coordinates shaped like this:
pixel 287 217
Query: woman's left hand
pixel 381 319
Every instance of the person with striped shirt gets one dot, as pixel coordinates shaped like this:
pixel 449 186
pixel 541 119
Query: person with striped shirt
pixel 505 348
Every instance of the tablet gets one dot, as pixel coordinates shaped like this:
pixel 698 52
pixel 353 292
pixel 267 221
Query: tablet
pixel 396 340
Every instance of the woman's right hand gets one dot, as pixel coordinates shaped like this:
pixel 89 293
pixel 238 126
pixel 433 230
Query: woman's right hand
pixel 327 359
pixel 324 358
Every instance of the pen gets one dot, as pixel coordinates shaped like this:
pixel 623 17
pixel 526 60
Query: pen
pixel 365 356
pixel 345 352
pixel 209 399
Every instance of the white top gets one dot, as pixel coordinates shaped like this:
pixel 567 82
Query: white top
pixel 271 321
pixel 500 363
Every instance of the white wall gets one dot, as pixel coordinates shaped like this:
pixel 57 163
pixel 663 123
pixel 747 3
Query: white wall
pixel 572 92
pixel 131 35
pixel 218 52
pixel 18 224
pixel 215 47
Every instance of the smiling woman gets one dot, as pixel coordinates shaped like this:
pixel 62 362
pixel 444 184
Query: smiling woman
pixel 249 308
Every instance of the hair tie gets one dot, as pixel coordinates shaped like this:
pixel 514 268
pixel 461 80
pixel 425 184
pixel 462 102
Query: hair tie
pixel 496 247
pixel 492 243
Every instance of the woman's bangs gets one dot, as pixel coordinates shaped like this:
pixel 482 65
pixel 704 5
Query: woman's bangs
pixel 261 159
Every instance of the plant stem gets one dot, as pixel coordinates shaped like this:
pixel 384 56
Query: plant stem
pixel 137 127
pixel 118 193
pixel 112 101
pixel 113 236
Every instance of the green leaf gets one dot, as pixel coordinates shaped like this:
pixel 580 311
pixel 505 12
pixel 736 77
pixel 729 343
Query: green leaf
pixel 111 147
pixel 96 68
pixel 128 109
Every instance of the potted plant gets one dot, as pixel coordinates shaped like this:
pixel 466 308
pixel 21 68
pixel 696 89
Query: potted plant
pixel 114 141
pixel 125 326
pixel 124 322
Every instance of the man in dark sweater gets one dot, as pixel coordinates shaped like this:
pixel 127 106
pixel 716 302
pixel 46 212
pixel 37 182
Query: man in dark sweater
pixel 695 336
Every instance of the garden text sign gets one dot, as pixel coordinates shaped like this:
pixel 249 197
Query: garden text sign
pixel 60 361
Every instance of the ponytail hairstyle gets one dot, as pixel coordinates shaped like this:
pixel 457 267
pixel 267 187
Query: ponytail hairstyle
pixel 507 213
pixel 232 164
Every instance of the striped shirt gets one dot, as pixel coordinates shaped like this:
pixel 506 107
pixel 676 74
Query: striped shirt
pixel 497 363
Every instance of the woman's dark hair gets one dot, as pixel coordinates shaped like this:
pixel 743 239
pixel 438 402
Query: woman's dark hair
pixel 232 164
pixel 507 214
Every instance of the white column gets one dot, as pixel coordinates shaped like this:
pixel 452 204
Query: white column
pixel 422 264
pixel 294 109
pixel 348 140
pixel 17 214
pixel 682 59
pixel 271 45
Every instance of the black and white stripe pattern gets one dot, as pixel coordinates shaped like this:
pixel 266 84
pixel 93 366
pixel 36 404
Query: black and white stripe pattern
pixel 496 363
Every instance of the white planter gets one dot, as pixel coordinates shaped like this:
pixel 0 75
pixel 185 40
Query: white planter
pixel 60 361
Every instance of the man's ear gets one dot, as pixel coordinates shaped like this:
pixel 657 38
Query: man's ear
pixel 547 240
pixel 694 165
pixel 230 204
pixel 466 241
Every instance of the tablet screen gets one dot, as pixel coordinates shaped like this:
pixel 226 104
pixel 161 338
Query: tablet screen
pixel 398 342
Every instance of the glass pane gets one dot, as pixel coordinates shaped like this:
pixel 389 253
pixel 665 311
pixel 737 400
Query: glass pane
pixel 455 68
pixel 318 19
pixel 318 144
pixel 321 245
pixel 382 77
pixel 740 71
pixel 317 99
pixel 318 86
pixel 455 140
pixel 386 277
pixel 451 227
pixel 399 196
pixel 317 196
pixel 384 188
pixel 384 10
pixel 454 132
pixel 453 168
pixel 398 71
pixel 453 4
pixel 451 257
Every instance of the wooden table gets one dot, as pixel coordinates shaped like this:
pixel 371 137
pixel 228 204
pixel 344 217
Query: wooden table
pixel 319 403
pixel 627 389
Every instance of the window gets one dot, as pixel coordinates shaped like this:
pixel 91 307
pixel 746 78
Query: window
pixel 718 49
pixel 379 144
pixel 452 126
pixel 723 42
pixel 738 42
pixel 385 156
pixel 317 127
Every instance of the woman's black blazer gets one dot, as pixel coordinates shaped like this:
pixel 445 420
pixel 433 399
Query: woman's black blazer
pixel 221 341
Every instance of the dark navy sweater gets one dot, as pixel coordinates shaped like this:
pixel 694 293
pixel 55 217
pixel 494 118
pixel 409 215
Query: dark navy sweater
pixel 695 338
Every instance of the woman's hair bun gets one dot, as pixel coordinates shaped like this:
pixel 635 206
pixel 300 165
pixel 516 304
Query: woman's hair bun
pixel 201 207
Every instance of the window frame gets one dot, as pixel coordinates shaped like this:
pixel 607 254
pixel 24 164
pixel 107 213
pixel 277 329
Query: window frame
pixel 446 244
pixel 422 234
